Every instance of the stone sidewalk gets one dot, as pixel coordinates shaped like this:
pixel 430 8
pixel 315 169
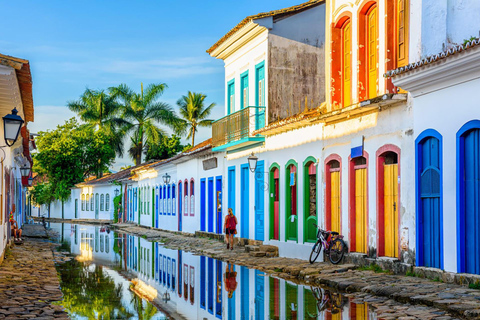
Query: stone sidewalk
pixel 29 285
pixel 456 300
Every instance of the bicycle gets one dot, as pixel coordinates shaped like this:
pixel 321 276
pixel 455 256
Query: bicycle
pixel 327 300
pixel 332 244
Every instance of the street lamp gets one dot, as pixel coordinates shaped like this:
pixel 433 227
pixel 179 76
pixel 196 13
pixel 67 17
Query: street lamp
pixel 166 178
pixel 116 192
pixel 12 123
pixel 252 162
pixel 25 170
pixel 30 181
pixel 166 297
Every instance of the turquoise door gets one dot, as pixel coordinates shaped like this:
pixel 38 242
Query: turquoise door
pixel 218 204
pixel 231 188
pixel 259 295
pixel 244 293
pixel 244 201
pixel 430 197
pixel 260 201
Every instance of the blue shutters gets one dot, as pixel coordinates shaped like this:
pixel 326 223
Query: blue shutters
pixel 211 285
pixel 429 200
pixel 468 194
pixel 218 205
pixel 244 195
pixel 259 295
pixel 244 90
pixel 259 201
pixel 203 287
pixel 203 211
pixel 244 294
pixel 210 204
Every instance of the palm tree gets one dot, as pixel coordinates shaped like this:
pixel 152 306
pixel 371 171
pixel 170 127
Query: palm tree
pixel 141 113
pixel 99 109
pixel 194 112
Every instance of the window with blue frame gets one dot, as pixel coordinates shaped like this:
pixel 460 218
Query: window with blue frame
pixel 169 197
pixel 244 89
pixel 231 96
pixel 260 84
pixel 203 287
pixel 165 199
pixel 174 200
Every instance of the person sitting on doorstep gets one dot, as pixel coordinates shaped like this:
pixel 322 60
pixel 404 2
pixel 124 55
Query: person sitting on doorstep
pixel 16 232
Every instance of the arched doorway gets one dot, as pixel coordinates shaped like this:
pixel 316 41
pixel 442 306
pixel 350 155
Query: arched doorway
pixel 274 202
pixel 333 193
pixel 291 221
pixel 310 200
pixel 358 205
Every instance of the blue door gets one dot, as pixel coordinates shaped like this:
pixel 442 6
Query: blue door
pixel 259 295
pixel 244 296
pixel 203 211
pixel 471 201
pixel 259 201
pixel 156 207
pixel 430 197
pixel 231 188
pixel 218 291
pixel 218 206
pixel 244 193
pixel 180 214
pixel 210 204
pixel 211 285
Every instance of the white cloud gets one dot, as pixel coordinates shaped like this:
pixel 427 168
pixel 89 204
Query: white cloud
pixel 48 117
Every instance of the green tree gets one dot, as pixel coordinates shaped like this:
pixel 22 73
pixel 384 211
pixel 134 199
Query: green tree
pixel 142 113
pixel 194 113
pixel 69 154
pixel 99 109
pixel 167 148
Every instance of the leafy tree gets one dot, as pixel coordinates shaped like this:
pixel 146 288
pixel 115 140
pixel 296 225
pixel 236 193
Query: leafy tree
pixel 68 155
pixel 99 109
pixel 167 148
pixel 142 113
pixel 194 113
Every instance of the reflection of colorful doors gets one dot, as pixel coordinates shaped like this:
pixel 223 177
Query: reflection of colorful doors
pixel 259 295
pixel 244 198
pixel 390 175
pixel 470 200
pixel 430 215
pixel 358 311
pixel 291 222
pixel 274 203
pixel 274 290
pixel 259 201
pixel 211 285
pixel 218 290
pixel 244 297
pixel 361 210
pixel 291 303
pixel 203 286
pixel 309 305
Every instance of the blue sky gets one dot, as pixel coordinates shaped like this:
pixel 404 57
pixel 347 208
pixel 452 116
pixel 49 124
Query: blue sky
pixel 72 45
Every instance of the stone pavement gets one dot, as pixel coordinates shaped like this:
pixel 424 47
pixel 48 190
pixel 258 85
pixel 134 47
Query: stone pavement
pixel 456 300
pixel 29 284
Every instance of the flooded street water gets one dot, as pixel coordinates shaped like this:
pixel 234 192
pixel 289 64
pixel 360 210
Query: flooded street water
pixel 120 276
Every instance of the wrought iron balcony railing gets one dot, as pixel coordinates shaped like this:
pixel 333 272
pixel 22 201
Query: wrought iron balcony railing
pixel 237 126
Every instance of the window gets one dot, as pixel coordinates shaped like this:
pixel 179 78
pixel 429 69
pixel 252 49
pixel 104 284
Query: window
pixel 102 202
pixel 107 202
pixel 180 198
pixel 231 96
pixel 161 200
pixel 244 89
pixel 102 243
pixel 169 200
pixel 87 202
pixel 368 52
pixel 192 198
pixel 148 195
pixel 402 32
pixel 164 199
pixel 372 33
pixel 291 200
pixel 185 204
pixel 107 244
pixel 91 202
pixel 83 202
pixel 260 84
pixel 347 62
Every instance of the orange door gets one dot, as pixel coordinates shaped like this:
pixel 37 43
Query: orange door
pixel 372 32
pixel 391 209
pixel 335 201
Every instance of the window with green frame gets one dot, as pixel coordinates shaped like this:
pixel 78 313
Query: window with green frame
pixel 310 199
pixel 291 197
pixel 260 84
pixel 231 96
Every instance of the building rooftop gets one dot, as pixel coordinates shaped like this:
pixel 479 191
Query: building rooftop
pixel 274 13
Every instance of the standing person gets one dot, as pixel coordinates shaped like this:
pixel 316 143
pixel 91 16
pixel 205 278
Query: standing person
pixel 230 228
pixel 119 213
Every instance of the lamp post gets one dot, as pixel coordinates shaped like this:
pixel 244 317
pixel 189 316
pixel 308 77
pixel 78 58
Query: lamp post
pixel 25 170
pixel 30 181
pixel 166 178
pixel 116 192
pixel 252 162
pixel 12 123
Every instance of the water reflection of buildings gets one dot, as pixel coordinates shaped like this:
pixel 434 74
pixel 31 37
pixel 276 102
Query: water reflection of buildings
pixel 199 287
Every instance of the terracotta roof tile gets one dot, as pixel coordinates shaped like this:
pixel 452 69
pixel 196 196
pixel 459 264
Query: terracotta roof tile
pixel 433 58
pixel 273 13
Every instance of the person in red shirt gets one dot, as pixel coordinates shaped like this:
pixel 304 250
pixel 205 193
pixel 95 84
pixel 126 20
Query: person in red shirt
pixel 230 228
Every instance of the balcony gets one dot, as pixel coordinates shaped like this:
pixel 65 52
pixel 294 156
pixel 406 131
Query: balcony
pixel 234 131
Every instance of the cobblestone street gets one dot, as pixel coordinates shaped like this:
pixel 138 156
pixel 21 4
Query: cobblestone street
pixel 29 284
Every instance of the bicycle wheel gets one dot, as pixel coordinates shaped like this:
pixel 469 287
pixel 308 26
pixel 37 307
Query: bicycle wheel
pixel 337 250
pixel 317 247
